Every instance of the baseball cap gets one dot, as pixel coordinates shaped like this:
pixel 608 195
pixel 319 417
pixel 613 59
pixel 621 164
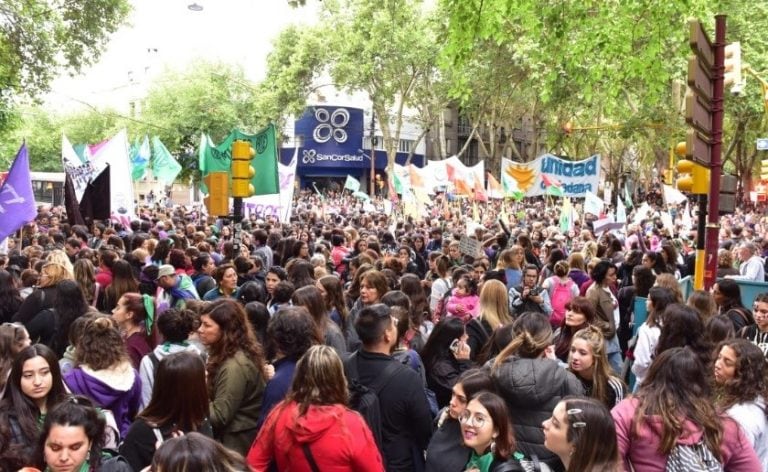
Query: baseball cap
pixel 164 270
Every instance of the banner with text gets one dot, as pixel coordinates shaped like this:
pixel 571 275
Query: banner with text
pixel 577 177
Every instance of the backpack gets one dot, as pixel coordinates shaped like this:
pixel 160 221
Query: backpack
pixel 698 457
pixel 365 399
pixel 559 295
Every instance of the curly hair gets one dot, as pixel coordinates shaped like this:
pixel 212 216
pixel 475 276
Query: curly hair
pixel 292 332
pixel 749 380
pixel 236 335
pixel 101 345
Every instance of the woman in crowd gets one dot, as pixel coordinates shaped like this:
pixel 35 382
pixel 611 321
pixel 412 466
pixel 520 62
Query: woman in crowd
pixel 727 295
pixel 34 388
pixel 577 270
pixel 561 291
pixel 741 391
pixel 85 275
pixel 442 285
pixel 671 412
pixel 310 298
pixel 72 439
pixel 332 291
pixel 175 327
pixel 226 283
pixel 493 313
pixel 195 451
pixel 682 327
pixel 123 281
pixel 236 373
pixel 642 281
pixel 704 304
pixel 13 338
pixel 43 296
pixel 588 362
pixel 487 431
pixel 179 405
pixel 669 281
pixel 420 326
pixel 529 355
pixel 445 357
pixel 301 273
pixel 582 434
pixel 135 317
pixel 446 449
pixel 606 308
pixel 291 332
pixel 104 372
pixel 373 286
pixel 659 298
pixel 579 314
pixel 10 298
pixel 275 275
pixel 313 424
pixel 511 261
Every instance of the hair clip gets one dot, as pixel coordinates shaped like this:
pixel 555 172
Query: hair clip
pixel 579 424
pixel 573 411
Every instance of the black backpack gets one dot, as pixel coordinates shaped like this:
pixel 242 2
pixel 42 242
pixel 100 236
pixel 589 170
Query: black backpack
pixel 365 399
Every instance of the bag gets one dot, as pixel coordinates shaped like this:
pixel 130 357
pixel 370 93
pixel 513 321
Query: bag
pixel 365 399
pixel 695 457
pixel 111 461
pixel 560 294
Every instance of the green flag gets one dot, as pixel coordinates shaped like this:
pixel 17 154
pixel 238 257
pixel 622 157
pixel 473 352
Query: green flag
pixel 164 166
pixel 218 158
pixel 555 191
pixel 352 184
pixel 140 155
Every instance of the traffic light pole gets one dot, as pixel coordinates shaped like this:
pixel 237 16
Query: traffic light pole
pixel 237 218
pixel 716 165
pixel 698 275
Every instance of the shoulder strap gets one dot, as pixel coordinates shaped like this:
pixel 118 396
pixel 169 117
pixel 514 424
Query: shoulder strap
pixel 482 327
pixel 385 376
pixel 310 458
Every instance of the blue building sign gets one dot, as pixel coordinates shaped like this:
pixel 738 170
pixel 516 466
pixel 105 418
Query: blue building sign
pixel 333 145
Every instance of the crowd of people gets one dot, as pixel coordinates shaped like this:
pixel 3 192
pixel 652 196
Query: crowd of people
pixel 351 339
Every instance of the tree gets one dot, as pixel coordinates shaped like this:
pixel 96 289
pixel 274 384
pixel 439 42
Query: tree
pixel 205 98
pixel 39 38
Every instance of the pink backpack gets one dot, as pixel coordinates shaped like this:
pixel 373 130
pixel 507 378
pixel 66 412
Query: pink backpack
pixel 559 294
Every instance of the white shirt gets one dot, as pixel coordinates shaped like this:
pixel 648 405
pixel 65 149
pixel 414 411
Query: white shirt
pixel 751 269
pixel 751 418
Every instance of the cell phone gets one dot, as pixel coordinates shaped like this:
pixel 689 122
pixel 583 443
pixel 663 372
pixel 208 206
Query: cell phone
pixel 454 347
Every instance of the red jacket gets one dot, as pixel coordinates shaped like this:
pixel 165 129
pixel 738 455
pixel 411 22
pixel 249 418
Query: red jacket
pixel 338 438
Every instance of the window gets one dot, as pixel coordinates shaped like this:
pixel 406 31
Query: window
pixel 405 145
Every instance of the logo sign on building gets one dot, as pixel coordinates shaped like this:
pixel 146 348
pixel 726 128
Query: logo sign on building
pixel 333 137
pixel 577 177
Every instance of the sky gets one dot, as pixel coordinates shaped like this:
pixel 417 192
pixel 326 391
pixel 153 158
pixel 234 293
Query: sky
pixel 164 34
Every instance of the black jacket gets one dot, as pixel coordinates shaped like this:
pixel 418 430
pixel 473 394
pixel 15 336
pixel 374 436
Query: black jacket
pixel 532 388
pixel 446 451
pixel 406 422
pixel 478 334
pixel 442 375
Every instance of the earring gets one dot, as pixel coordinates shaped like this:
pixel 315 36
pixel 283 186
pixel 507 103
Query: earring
pixel 493 447
pixel 88 456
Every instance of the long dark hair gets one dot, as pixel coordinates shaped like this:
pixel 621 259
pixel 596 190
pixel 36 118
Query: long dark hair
pixel 179 395
pixel 675 391
pixel 23 408
pixel 236 335
pixel 10 300
pixel 499 413
pixel 437 346
pixel 69 304
pixel 683 327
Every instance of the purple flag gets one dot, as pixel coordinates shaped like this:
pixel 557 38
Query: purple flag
pixel 17 202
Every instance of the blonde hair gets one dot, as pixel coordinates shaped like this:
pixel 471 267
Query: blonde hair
pixel 601 371
pixel 56 273
pixel 494 304
pixel 669 281
pixel 58 256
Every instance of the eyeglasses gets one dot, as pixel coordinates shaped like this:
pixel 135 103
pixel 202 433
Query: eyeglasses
pixel 478 421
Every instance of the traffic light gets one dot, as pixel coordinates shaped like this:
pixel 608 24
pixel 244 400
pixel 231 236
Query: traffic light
pixel 692 177
pixel 242 172
pixel 764 169
pixel 732 75
pixel 217 201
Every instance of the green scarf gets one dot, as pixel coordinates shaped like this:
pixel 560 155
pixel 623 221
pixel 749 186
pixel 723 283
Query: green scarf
pixel 481 463
pixel 83 468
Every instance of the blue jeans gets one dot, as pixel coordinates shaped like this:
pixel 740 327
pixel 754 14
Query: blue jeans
pixel 613 352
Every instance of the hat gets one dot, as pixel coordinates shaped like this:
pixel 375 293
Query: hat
pixel 164 270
